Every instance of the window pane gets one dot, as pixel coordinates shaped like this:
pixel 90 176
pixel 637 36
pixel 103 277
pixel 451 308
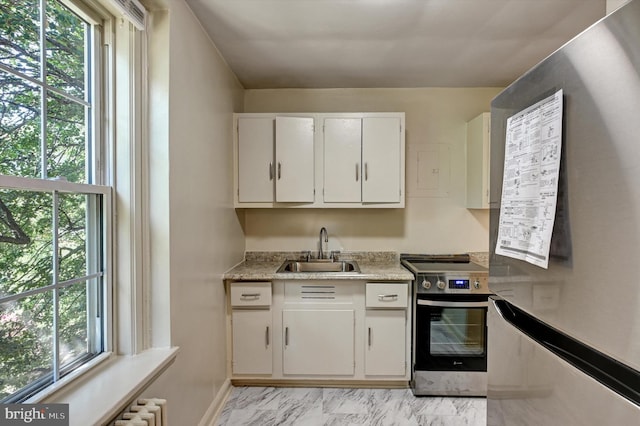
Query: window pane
pixel 20 35
pixel 65 49
pixel 72 235
pixel 66 148
pixel 73 322
pixel 19 127
pixel 26 246
pixel 25 342
pixel 46 132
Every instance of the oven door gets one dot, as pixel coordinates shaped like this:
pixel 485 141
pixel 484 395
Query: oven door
pixel 451 333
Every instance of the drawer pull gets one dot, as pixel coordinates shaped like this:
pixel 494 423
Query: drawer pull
pixel 250 296
pixel 267 335
pixel 384 297
pixel 369 336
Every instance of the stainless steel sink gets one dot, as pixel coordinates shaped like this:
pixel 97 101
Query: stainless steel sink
pixel 319 265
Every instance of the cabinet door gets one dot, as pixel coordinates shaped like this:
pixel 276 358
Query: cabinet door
pixel 478 142
pixel 294 160
pixel 342 160
pixel 252 350
pixel 381 157
pixel 386 343
pixel 318 342
pixel 255 159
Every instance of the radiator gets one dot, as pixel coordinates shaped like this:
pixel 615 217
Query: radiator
pixel 144 412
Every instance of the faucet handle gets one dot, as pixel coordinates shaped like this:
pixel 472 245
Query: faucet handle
pixel 335 254
pixel 306 255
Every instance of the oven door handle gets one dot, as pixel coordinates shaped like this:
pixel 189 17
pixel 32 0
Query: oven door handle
pixel 446 304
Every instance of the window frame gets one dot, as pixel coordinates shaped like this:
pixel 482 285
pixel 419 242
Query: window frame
pixel 102 293
pixel 137 348
pixel 99 82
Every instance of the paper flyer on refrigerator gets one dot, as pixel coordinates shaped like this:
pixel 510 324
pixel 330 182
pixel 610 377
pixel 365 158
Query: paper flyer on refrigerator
pixel 530 183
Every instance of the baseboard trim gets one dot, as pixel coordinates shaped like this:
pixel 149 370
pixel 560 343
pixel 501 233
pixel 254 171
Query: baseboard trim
pixel 212 413
pixel 379 384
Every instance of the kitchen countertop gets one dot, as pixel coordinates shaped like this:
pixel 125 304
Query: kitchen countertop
pixel 374 266
pixel 480 257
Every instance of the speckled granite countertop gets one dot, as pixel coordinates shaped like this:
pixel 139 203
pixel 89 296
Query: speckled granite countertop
pixel 378 266
pixel 481 258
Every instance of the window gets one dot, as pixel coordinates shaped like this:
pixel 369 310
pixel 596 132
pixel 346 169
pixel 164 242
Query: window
pixel 54 210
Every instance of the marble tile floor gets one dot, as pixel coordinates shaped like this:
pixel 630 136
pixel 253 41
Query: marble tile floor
pixel 269 406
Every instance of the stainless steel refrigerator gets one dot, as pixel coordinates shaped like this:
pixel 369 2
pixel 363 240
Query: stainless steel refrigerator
pixel 564 341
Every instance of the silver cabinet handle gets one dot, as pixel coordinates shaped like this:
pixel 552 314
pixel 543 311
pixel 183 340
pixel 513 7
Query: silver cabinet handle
pixel 250 296
pixel 279 170
pixel 357 172
pixel 383 297
pixel 366 171
pixel 267 335
pixel 270 170
pixel 286 336
pixel 369 337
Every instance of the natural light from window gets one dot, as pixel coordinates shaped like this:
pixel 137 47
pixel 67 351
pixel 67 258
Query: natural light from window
pixel 53 210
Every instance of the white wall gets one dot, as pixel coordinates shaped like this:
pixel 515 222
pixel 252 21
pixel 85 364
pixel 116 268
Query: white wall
pixel 615 4
pixel 196 234
pixel 430 223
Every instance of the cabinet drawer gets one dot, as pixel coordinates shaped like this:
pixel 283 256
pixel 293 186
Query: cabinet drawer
pixel 251 294
pixel 387 295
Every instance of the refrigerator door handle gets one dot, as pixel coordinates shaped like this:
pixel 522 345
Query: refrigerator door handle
pixel 494 299
pixel 612 373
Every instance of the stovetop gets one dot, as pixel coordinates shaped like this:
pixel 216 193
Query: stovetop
pixel 441 263
pixel 449 275
pixel 436 258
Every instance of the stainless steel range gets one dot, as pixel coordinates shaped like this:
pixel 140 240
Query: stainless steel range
pixel 450 296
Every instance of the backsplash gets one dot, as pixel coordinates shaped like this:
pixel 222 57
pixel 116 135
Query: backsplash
pixel 481 258
pixel 360 256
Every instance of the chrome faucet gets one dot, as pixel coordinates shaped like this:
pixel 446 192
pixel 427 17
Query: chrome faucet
pixel 323 230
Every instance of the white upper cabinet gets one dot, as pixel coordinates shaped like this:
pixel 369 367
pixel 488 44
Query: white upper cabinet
pixel 342 160
pixel 353 160
pixel 478 143
pixel 274 160
pixel 363 160
pixel 294 160
pixel 381 160
pixel 256 151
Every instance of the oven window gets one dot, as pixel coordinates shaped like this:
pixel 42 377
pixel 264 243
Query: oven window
pixel 457 331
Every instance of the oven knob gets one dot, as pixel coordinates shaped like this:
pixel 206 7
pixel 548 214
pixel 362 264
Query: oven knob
pixel 441 284
pixel 476 284
pixel 426 284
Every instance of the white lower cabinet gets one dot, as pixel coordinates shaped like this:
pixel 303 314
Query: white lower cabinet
pixel 251 328
pixel 386 327
pixel 252 341
pixel 317 330
pixel 318 342
pixel 385 353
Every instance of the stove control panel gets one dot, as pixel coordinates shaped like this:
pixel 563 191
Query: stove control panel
pixel 452 283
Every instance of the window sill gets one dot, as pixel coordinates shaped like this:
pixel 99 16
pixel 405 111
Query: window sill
pixel 101 394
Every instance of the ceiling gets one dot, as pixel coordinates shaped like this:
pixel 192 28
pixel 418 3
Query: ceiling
pixel 389 43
